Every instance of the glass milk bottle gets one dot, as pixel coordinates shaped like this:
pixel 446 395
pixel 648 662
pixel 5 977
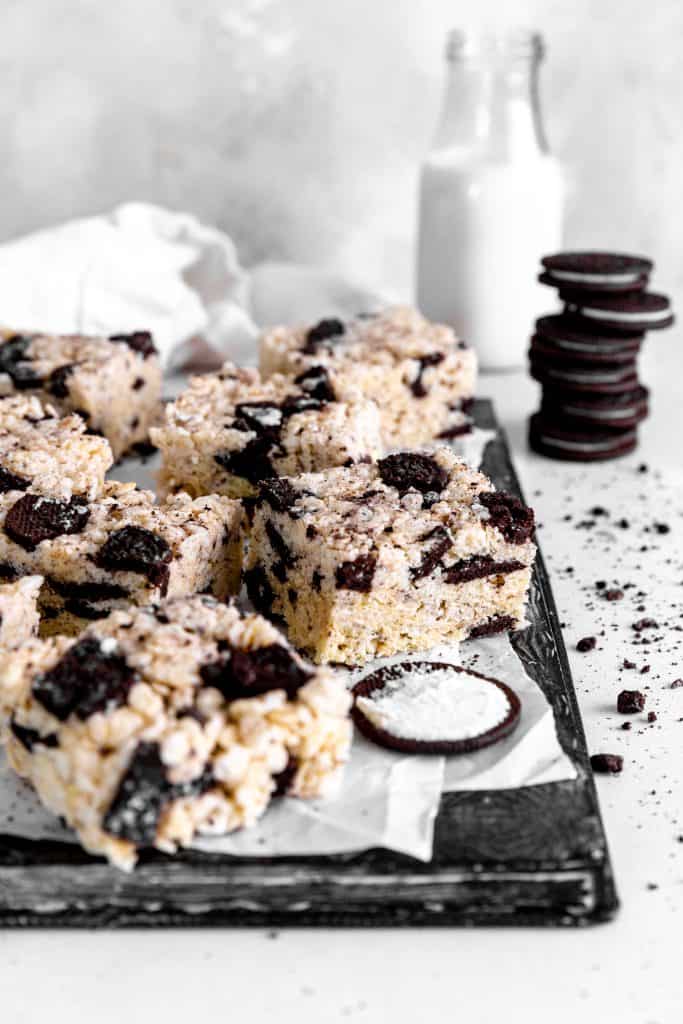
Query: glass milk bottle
pixel 491 199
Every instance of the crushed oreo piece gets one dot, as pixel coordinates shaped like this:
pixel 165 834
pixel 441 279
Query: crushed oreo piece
pixel 242 674
pixel 279 493
pixel 614 594
pixel 259 590
pixel 284 779
pixel 417 384
pixel 12 482
pixel 440 542
pixel 88 678
pixel 652 716
pixel 139 341
pixel 496 624
pixel 135 549
pixel 357 574
pixel 630 702
pixel 253 462
pixel 478 567
pixel 316 383
pixel 586 644
pixel 508 515
pixel 30 738
pixel 15 363
pixel 607 764
pixel 323 331
pixel 143 792
pixel 280 546
pixel 261 417
pixel 57 381
pixel 33 519
pixel 645 623
pixel 406 471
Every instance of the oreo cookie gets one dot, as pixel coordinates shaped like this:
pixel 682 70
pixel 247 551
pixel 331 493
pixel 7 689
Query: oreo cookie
pixel 620 411
pixel 603 378
pixel 607 272
pixel 635 311
pixel 571 442
pixel 427 707
pixel 568 338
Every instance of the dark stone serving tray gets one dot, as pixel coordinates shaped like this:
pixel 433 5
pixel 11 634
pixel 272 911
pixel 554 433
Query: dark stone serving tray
pixel 532 856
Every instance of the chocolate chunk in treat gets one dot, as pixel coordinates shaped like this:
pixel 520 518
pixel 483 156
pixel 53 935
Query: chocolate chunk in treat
pixel 607 764
pixel 135 549
pixel 324 331
pixel 30 738
pixel 508 515
pixel 139 341
pixel 57 383
pixel 415 707
pixel 440 541
pixel 586 644
pixel 33 519
pixel 242 674
pixel 408 471
pixel 630 702
pixel 88 678
pixel 284 779
pixel 295 404
pixel 12 482
pixel 357 574
pixel 316 383
pixel 417 384
pixel 143 793
pixel 259 590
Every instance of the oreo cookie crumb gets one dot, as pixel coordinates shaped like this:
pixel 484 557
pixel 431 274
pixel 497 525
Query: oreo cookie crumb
pixel 630 702
pixel 607 764
pixel 586 644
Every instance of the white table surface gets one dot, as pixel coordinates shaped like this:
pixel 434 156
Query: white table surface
pixel 630 971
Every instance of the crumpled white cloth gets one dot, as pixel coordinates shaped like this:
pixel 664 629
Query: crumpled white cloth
pixel 141 267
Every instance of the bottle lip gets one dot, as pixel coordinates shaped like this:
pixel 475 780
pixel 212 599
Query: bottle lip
pixel 464 44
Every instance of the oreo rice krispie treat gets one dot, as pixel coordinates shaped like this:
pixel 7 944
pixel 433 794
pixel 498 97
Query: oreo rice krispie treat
pixel 400 555
pixel 52 455
pixel 19 618
pixel 421 377
pixel 113 383
pixel 230 430
pixel 158 724
pixel 117 549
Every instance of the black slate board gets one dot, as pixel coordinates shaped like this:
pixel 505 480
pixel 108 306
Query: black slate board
pixel 533 856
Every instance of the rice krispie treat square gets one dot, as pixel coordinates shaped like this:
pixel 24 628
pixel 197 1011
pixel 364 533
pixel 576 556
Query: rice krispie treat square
pixel 421 377
pixel 230 430
pixel 19 618
pixel 48 454
pixel 400 555
pixel 158 724
pixel 113 383
pixel 117 549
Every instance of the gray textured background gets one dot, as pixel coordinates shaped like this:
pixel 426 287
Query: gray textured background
pixel 299 124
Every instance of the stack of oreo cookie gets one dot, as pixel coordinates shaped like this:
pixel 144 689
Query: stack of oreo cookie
pixel 586 357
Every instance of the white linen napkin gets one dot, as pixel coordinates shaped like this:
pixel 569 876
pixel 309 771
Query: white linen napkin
pixel 141 267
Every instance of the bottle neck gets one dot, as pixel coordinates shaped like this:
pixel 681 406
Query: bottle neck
pixel 492 107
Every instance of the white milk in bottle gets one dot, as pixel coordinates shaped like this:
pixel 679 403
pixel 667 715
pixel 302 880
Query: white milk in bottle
pixel 491 200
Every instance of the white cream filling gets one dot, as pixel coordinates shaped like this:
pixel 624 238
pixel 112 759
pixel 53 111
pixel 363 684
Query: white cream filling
pixel 620 316
pixel 571 275
pixel 589 346
pixel 601 414
pixel 598 377
pixel 438 705
pixel 581 446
